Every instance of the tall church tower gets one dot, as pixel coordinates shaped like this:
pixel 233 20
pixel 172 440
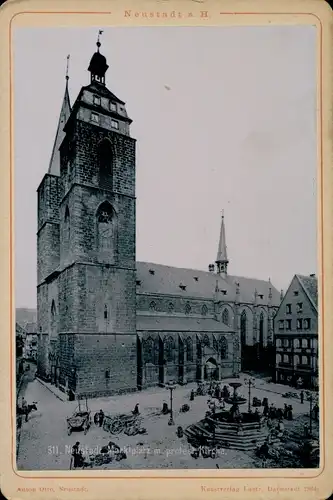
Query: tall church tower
pixel 96 285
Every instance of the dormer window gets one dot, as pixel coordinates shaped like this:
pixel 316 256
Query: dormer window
pixel 260 296
pixel 94 117
pixel 182 287
pixel 138 282
pixel 115 124
pixel 195 278
pixel 113 106
pixel 152 272
pixel 97 100
pixel 224 292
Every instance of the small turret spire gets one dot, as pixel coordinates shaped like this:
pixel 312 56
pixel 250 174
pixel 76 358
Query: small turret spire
pixel 98 65
pixel 222 259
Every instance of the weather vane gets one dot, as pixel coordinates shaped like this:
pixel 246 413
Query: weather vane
pixel 98 42
pixel 67 67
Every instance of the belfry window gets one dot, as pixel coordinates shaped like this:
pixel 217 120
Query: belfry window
pixel 105 163
pixel 113 106
pixel 97 100
pixel 94 117
pixel 106 233
pixel 115 124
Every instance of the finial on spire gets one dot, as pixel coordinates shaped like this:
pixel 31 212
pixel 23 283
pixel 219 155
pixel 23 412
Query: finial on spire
pixel 67 67
pixel 222 213
pixel 98 43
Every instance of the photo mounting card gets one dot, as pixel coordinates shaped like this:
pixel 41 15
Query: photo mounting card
pixel 166 201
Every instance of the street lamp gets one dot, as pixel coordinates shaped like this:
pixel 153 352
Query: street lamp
pixel 250 382
pixel 171 387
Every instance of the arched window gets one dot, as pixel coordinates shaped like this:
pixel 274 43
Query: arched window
pixel 148 349
pixel 106 233
pixel 225 316
pixel 105 312
pixel 152 306
pixel 169 349
pixel 261 329
pixel 189 348
pixel 206 341
pixel 278 358
pixel 223 347
pixel 187 308
pixel 296 360
pixel 171 307
pixel 53 318
pixel 278 343
pixel 296 344
pixel 53 309
pixel 67 229
pixel 105 163
pixel 199 349
pixel 243 325
pixel 204 310
pixel 215 345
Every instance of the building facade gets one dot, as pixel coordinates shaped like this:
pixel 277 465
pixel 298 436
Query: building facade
pixel 30 343
pixel 107 323
pixel 296 334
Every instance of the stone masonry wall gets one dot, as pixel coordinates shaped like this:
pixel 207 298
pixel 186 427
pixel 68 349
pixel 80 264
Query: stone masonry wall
pixel 112 366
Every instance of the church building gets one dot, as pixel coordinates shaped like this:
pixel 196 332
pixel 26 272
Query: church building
pixel 109 324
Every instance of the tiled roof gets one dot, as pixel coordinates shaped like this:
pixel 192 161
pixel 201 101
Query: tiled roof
pixel 19 329
pixel 179 324
pixel 160 279
pixel 310 285
pixel 31 328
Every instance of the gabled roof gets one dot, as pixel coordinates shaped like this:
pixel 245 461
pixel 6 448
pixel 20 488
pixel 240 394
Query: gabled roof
pixel 179 324
pixel 31 328
pixel 54 167
pixel 310 287
pixel 167 280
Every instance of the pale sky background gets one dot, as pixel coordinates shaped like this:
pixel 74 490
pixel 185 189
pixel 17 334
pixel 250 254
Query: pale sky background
pixel 236 130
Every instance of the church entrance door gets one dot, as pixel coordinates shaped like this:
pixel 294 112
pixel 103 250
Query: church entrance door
pixel 211 370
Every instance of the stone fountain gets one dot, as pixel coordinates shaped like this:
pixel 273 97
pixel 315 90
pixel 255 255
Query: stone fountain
pixel 231 428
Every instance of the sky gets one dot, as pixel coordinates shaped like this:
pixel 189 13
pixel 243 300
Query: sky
pixel 225 119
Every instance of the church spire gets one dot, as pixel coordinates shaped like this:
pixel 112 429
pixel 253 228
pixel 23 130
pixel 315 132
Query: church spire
pixel 54 167
pixel 222 259
pixel 98 65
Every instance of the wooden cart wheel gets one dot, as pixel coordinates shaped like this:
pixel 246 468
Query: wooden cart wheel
pixel 116 426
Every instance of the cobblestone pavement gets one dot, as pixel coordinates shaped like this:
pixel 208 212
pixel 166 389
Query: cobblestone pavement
pixel 45 445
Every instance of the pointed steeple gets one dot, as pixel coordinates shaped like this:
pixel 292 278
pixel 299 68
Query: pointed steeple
pixel 54 167
pixel 222 259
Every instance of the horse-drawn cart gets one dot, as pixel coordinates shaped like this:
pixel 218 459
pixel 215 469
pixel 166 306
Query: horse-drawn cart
pixel 115 424
pixel 79 421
